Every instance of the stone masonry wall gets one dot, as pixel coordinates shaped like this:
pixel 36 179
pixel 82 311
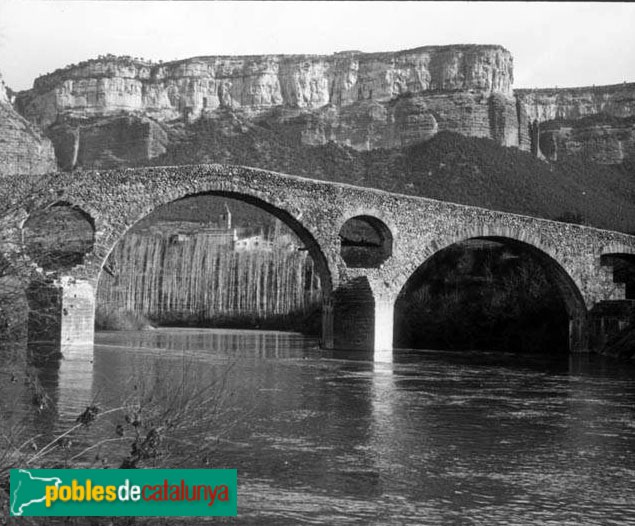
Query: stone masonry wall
pixel 316 211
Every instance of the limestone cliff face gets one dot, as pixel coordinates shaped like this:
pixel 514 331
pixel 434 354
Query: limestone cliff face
pixel 107 142
pixel 617 100
pixel 602 142
pixel 362 100
pixel 409 119
pixel 596 123
pixel 203 84
pixel 22 147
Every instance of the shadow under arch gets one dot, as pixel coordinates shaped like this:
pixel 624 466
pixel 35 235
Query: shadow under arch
pixel 557 276
pixel 58 236
pixel 311 245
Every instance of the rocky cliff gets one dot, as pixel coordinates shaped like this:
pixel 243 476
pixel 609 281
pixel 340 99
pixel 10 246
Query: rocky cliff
pixel 596 123
pixel 22 147
pixel 597 138
pixel 118 111
pixel 106 142
pixel 617 100
pixel 363 100
pixel 257 83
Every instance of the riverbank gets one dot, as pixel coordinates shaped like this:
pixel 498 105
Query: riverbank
pixel 305 322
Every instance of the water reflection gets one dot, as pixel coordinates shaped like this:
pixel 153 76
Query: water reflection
pixel 433 438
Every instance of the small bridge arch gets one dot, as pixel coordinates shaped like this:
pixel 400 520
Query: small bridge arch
pixel 323 266
pixel 114 218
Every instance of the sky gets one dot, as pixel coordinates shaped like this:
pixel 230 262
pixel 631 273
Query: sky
pixel 553 43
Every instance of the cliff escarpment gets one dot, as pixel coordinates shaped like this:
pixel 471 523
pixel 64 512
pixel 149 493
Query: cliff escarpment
pixel 123 111
pixel 596 123
pixel 200 85
pixel 596 138
pixel 22 147
pixel 362 100
pixel 616 100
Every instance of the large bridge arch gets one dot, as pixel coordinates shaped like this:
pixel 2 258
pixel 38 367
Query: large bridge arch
pixel 126 204
pixel 563 280
pixel 295 223
pixel 314 248
pixel 112 225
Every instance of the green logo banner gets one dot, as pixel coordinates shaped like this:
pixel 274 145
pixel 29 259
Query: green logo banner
pixel 123 492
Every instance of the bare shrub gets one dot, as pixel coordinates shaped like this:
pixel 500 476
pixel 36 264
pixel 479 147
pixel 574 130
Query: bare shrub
pixel 168 415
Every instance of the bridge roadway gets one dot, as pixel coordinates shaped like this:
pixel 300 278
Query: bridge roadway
pixel 361 280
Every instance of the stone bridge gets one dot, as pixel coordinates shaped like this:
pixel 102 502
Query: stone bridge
pixel 361 280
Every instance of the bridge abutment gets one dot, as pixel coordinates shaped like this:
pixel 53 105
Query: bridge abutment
pixel 607 319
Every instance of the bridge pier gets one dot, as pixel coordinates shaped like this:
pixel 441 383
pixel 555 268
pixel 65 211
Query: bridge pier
pixel 354 316
pixel 360 322
pixel 352 321
pixel 78 314
pixel 384 328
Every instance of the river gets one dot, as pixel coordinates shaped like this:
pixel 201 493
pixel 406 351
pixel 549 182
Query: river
pixel 433 438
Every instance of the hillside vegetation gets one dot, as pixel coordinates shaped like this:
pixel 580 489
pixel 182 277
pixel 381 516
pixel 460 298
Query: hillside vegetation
pixel 449 167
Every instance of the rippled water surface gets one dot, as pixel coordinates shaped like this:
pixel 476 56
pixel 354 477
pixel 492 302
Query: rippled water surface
pixel 434 438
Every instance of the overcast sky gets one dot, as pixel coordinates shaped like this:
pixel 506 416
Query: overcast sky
pixel 553 44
